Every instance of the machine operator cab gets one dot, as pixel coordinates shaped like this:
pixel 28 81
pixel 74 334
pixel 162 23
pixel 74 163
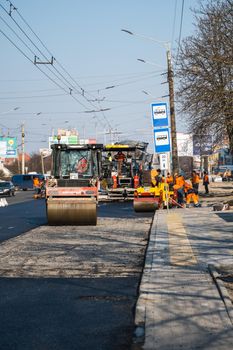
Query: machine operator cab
pixel 76 162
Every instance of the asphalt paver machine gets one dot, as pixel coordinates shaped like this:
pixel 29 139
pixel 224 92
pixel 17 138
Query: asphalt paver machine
pixel 72 192
pixel 121 166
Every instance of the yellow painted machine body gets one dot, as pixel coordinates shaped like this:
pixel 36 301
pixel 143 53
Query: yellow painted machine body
pixel 148 198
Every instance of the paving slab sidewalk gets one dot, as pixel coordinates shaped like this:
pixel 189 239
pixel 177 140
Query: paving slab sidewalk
pixel 179 306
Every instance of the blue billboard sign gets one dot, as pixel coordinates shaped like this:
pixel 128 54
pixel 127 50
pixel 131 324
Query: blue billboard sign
pixel 162 140
pixel 159 115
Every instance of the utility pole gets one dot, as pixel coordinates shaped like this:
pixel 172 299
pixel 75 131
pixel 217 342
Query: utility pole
pixel 23 149
pixel 175 159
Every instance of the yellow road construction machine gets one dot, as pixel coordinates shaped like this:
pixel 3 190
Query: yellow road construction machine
pixel 121 166
pixel 72 192
pixel 151 196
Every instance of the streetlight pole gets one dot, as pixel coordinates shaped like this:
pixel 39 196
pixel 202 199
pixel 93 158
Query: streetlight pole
pixel 175 159
pixel 23 148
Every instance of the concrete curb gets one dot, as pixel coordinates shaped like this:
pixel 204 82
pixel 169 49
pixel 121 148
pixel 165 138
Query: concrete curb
pixel 222 290
pixel 140 310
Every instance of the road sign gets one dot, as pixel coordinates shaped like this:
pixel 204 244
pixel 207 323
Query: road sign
pixel 159 115
pixel 162 140
pixel 163 160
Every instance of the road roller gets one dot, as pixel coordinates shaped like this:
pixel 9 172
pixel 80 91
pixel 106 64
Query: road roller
pixel 151 198
pixel 72 192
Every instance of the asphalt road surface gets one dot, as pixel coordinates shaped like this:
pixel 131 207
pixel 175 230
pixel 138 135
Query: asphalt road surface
pixel 22 214
pixel 89 301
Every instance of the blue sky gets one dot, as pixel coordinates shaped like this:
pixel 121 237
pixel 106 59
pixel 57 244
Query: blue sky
pixel 86 39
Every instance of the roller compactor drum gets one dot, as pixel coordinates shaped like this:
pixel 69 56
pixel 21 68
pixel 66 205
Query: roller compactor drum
pixel 146 199
pixel 149 199
pixel 72 193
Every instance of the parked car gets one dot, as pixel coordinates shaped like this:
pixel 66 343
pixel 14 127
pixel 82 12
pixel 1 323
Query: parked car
pixel 7 188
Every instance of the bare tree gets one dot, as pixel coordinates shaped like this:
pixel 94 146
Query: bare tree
pixel 205 71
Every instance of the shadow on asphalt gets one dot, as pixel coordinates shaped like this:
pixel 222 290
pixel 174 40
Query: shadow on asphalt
pixel 120 210
pixel 62 314
pixel 226 216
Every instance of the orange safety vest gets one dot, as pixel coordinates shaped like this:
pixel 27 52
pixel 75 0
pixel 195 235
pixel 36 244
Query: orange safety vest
pixel 179 182
pixel 169 179
pixel 136 181
pixel 120 156
pixel 36 182
pixel 114 178
pixel 206 179
pixel 195 179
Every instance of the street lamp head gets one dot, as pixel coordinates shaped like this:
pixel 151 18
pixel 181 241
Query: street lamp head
pixel 141 60
pixel 127 31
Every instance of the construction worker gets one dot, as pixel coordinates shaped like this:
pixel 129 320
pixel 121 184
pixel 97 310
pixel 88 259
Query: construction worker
pixel 36 182
pixel 206 182
pixel 109 157
pixel 156 177
pixel 169 180
pixel 179 188
pixel 195 180
pixel 153 175
pixel 120 157
pixel 191 194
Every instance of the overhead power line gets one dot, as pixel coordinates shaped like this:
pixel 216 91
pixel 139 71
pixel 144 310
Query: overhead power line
pixel 66 83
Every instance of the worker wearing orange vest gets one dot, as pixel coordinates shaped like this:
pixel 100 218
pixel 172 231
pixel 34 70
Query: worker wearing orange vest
pixel 36 182
pixel 120 157
pixel 195 180
pixel 153 175
pixel 206 182
pixel 179 188
pixel 191 194
pixel 169 180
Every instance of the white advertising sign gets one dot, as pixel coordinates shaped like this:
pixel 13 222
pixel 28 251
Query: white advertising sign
pixel 3 147
pixel 163 159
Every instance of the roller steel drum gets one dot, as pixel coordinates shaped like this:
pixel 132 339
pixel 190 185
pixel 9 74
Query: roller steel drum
pixel 71 211
pixel 145 205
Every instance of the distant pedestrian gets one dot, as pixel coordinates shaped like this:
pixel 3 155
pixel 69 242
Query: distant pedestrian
pixel 206 182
